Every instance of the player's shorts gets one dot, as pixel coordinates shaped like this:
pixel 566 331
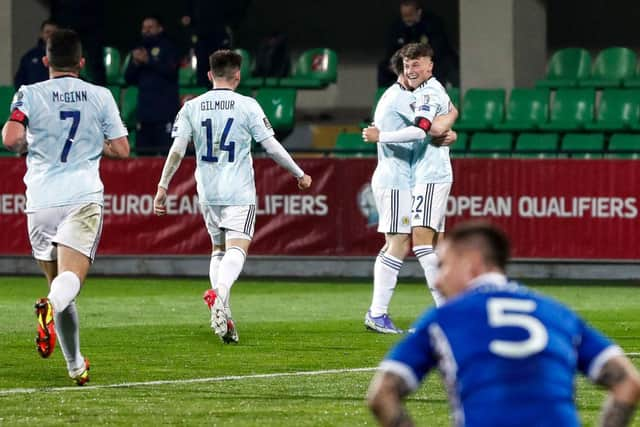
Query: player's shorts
pixel 394 210
pixel 430 205
pixel 229 222
pixel 76 226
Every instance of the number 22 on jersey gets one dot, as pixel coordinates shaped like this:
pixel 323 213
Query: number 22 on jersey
pixel 224 145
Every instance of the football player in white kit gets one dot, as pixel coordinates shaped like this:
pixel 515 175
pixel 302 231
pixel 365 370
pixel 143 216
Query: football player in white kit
pixel 431 167
pixel 222 124
pixel 392 183
pixel 64 125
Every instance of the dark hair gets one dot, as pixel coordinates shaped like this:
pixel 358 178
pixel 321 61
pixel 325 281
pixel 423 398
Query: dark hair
pixel 395 63
pixel 47 22
pixel 64 50
pixel 155 18
pixel 417 50
pixel 223 63
pixel 414 3
pixel 490 240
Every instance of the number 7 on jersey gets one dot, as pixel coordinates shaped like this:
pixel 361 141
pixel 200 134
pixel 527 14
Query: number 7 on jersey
pixel 75 116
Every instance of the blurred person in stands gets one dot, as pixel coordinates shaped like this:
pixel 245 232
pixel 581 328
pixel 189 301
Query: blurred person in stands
pixel 154 69
pixel 508 356
pixel 416 26
pixel 65 125
pixel 222 124
pixel 86 17
pixel 32 69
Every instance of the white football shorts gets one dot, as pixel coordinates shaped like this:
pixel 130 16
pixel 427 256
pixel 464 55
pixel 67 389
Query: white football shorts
pixel 394 210
pixel 76 226
pixel 229 222
pixel 430 205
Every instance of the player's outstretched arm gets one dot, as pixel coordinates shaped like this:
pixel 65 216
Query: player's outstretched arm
pixel 14 137
pixel 442 124
pixel 116 148
pixel 622 380
pixel 276 151
pixel 171 165
pixel 385 400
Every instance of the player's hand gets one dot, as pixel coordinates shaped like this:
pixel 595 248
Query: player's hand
pixel 159 202
pixel 371 134
pixel 140 55
pixel 304 182
pixel 447 139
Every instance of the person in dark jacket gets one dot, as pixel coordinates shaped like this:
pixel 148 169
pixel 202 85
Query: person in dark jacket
pixel 31 69
pixel 154 69
pixel 86 17
pixel 418 27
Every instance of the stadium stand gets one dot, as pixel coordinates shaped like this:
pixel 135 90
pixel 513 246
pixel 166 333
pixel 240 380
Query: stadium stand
pixel 617 110
pixel 583 145
pixel 570 110
pixel 566 67
pixel 459 148
pixel 6 94
pixel 611 67
pixel 112 65
pixel 246 71
pixel 526 110
pixel 314 69
pixel 279 105
pixel 129 106
pixel 624 146
pixel 537 145
pixel 494 145
pixel 481 109
pixel 351 144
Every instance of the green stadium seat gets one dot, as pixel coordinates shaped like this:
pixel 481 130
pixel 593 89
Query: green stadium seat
pixel 485 144
pixel 129 106
pixel 112 65
pixel 583 145
pixel 624 146
pixel 526 110
pixel 187 73
pixel 459 148
pixel 537 145
pixel 454 95
pixel 481 109
pixel 618 110
pixel 611 67
pixel 566 67
pixel 6 95
pixel 246 70
pixel 314 69
pixel 115 91
pixel 571 109
pixel 279 105
pixel 351 144
pixel 633 82
pixel 132 142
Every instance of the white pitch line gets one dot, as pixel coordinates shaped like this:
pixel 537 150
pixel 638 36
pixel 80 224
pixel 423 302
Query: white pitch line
pixel 14 391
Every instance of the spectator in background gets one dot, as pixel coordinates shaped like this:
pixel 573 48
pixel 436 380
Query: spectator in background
pixel 418 27
pixel 207 20
pixel 273 58
pixel 154 69
pixel 31 69
pixel 86 17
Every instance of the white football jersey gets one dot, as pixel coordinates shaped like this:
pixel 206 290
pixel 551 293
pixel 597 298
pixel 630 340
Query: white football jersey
pixel 394 112
pixel 68 121
pixel 431 164
pixel 222 124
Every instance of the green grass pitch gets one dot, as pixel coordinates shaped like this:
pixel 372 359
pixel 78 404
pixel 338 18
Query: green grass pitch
pixel 142 330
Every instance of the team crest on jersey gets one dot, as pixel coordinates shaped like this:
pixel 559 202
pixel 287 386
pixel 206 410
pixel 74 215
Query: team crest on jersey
pixel 267 123
pixel 405 220
pixel 425 99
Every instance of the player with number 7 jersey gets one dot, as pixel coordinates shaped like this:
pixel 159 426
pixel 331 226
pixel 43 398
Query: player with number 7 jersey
pixel 222 124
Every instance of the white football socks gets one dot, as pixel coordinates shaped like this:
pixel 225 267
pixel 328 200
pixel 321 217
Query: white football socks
pixel 68 330
pixel 64 289
pixel 429 262
pixel 214 266
pixel 228 272
pixel 385 278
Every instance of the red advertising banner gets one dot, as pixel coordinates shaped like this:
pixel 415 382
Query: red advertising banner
pixel 554 209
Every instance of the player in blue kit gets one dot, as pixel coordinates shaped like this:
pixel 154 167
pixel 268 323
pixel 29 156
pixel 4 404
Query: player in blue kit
pixel 222 124
pixel 391 183
pixel 507 355
pixel 64 125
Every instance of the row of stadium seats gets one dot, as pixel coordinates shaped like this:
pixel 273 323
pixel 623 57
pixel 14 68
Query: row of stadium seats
pixel 527 145
pixel 313 69
pixel 562 111
pixel 572 67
